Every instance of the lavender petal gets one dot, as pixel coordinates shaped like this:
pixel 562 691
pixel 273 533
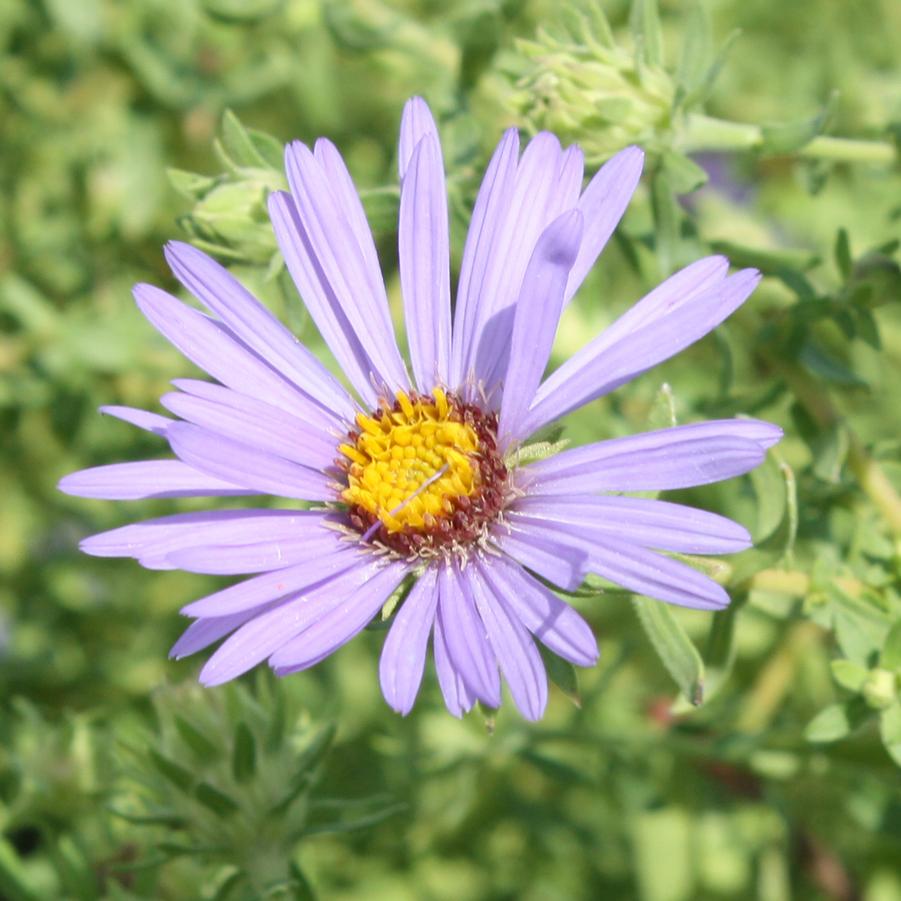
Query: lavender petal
pixel 319 298
pixel 227 298
pixel 555 561
pixel 465 637
pixel 602 205
pixel 314 417
pixel 348 199
pixel 263 555
pixel 158 536
pixel 403 654
pixel 550 620
pixel 146 479
pixel 340 622
pixel 142 419
pixel 265 633
pixel 679 457
pixel 490 210
pixel 516 653
pixel 259 590
pixel 537 313
pixel 640 570
pixel 651 523
pixel 415 123
pixel 458 698
pixel 592 373
pixel 202 633
pixel 258 425
pixel 213 347
pixel 240 464
pixel 335 245
pixel 547 182
pixel 424 257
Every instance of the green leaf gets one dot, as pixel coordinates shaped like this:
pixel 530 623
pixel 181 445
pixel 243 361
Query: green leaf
pixel 217 801
pixel 696 97
pixel 228 885
pixel 890 657
pixel 769 261
pixel 241 11
pixel 205 749
pixel 191 185
pixel 562 674
pixel 13 882
pixel 298 786
pixel 243 753
pixel 685 174
pixel 354 825
pixel 843 254
pixel 303 890
pixel 856 637
pixel 837 721
pixel 849 674
pixel 174 772
pixel 825 366
pixel 644 22
pixel 697 49
pixel 890 731
pixel 163 818
pixel 790 137
pixel 768 482
pixel 315 750
pixel 676 651
pixel 238 145
pixel 830 450
pixel 75 870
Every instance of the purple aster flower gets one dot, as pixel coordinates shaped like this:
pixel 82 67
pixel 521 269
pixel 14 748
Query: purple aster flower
pixel 413 479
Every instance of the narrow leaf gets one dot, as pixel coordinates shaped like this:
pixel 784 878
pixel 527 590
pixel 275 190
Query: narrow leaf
pixel 243 753
pixel 217 801
pixel 205 749
pixel 644 23
pixel 174 772
pixel 673 646
pixel 790 137
pixel 562 673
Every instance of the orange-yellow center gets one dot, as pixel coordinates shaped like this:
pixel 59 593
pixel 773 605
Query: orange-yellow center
pixel 410 461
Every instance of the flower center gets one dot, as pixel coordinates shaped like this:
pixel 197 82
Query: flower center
pixel 423 475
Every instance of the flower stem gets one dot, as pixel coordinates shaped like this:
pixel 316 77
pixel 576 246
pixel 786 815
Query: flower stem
pixel 777 677
pixel 706 133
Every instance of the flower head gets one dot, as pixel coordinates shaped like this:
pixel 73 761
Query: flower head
pixel 413 481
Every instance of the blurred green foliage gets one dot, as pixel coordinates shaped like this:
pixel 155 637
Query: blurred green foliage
pixel 119 779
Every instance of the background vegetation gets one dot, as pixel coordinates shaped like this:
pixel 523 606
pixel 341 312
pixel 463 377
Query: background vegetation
pixel 120 779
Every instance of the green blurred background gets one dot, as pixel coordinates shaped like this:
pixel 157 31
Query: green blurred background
pixel 120 779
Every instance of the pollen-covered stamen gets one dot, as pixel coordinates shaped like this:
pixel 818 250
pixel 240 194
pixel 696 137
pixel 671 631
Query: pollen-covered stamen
pixel 423 475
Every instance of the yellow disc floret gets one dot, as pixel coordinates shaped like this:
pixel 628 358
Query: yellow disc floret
pixel 409 463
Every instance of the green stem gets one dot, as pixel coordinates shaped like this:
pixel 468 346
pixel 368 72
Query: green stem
pixel 706 133
pixel 777 677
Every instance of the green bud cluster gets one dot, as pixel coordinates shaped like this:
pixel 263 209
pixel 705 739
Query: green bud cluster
pixel 231 778
pixel 578 82
pixel 229 216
